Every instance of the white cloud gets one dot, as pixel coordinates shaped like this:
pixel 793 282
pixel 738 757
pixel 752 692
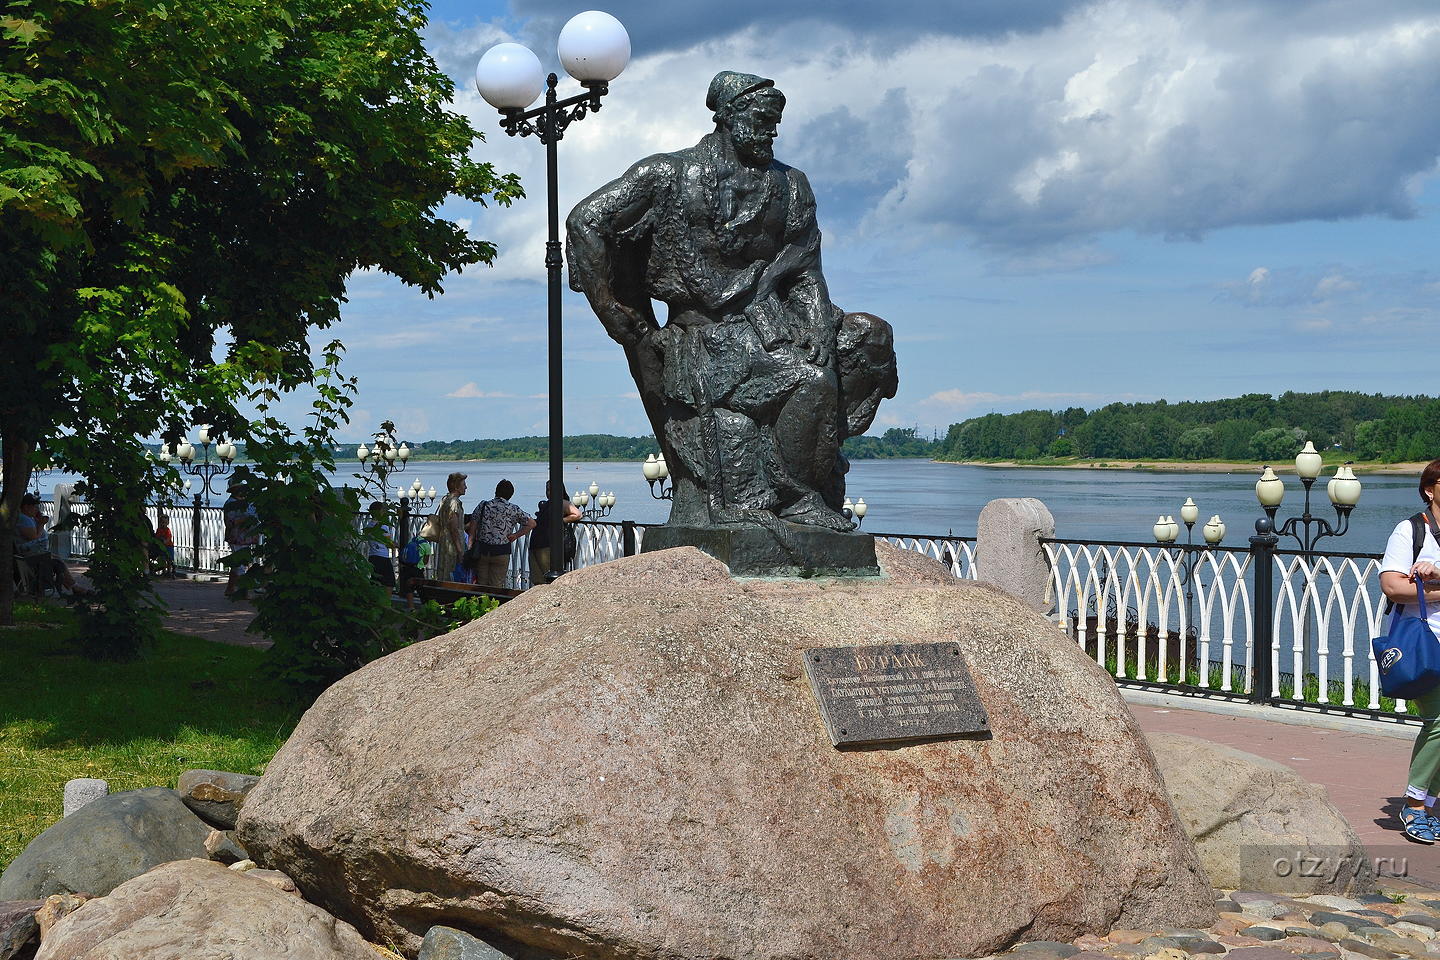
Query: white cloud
pixel 954 402
pixel 472 391
pixel 1259 275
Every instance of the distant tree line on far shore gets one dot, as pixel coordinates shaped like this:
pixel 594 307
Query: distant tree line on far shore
pixel 1256 426
pixel 895 442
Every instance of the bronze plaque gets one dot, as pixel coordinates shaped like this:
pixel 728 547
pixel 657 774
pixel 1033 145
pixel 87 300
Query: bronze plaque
pixel 894 691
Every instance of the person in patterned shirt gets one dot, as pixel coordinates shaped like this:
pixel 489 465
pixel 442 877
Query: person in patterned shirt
pixel 498 523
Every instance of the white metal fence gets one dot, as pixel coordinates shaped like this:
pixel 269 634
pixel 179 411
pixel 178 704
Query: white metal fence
pixel 1183 616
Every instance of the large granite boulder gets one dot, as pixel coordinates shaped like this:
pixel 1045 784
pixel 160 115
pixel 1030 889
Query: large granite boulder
pixel 195 908
pixel 631 763
pixel 1257 825
pixel 105 843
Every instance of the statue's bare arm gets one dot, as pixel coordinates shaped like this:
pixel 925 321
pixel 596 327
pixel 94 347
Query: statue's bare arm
pixel 593 228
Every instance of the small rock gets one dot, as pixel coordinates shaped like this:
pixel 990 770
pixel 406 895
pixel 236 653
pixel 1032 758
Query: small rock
pixel 1131 951
pixel 57 906
pixel 1350 922
pixel 1128 936
pixel 224 848
pixel 241 866
pixel 1090 942
pixel 81 791
pixel 1152 944
pixel 1308 945
pixel 1394 943
pixel 1374 898
pixel 1264 909
pixel 1265 933
pixel 1090 955
pixel 214 795
pixel 1365 949
pixel 1334 932
pixel 1038 949
pixel 1195 945
pixel 1431 904
pixel 447 943
pixel 1226 906
pixel 1166 953
pixel 1322 955
pixel 1239 940
pixel 1387 907
pixel 1336 903
pixel 1260 953
pixel 17 926
pixel 1417 930
pixel 276 879
pixel 1422 919
pixel 1376 917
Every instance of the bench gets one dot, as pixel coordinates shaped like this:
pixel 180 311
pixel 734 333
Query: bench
pixel 446 592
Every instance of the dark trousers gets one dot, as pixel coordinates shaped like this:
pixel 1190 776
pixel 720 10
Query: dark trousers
pixel 382 571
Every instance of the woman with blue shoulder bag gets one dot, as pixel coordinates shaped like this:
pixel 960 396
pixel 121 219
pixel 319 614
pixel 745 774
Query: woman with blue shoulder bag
pixel 1412 558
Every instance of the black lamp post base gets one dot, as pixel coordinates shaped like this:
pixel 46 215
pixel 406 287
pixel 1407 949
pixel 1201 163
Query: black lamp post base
pixel 786 550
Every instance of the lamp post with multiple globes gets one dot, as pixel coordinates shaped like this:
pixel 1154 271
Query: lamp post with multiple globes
pixel 657 474
pixel 387 457
pixel 594 48
pixel 1167 531
pixel 184 453
pixel 592 504
pixel 1306 530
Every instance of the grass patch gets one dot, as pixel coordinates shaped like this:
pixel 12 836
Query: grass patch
pixel 187 703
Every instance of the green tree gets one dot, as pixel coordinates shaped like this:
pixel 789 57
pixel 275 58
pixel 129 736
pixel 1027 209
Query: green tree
pixel 169 172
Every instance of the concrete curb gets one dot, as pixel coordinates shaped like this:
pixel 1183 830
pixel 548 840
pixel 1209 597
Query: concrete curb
pixel 1403 729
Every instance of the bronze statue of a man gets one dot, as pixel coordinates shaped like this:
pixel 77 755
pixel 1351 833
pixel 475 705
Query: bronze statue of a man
pixel 756 378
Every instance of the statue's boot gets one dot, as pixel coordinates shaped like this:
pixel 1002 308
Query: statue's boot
pixel 812 511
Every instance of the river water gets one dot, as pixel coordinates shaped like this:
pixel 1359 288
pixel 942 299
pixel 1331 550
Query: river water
pixel 922 497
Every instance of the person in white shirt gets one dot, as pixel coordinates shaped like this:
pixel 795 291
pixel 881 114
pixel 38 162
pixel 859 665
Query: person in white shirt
pixel 1400 572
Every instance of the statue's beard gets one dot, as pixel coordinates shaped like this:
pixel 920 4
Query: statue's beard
pixel 754 148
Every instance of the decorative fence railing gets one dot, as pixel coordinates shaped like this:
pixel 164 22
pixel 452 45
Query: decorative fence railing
pixel 1174 617
pixel 1194 617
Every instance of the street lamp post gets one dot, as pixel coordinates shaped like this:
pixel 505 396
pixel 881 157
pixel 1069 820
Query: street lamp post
pixel 386 458
pixel 593 504
pixel 1307 530
pixel 594 48
pixel 657 474
pixel 855 511
pixel 1167 531
pixel 184 451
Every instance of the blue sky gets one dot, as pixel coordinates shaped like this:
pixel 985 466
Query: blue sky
pixel 1054 203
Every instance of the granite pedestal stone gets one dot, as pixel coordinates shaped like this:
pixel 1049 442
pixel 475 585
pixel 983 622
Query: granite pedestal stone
pixel 633 762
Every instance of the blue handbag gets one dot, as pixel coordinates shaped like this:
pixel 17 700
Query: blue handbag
pixel 1409 656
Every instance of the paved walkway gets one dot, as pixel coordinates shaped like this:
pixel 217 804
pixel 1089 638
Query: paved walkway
pixel 201 609
pixel 1363 773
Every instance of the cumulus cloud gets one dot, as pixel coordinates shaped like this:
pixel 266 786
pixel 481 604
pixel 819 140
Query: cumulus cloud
pixel 1041 127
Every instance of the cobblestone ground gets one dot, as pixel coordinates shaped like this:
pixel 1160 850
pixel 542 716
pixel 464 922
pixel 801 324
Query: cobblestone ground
pixel 1264 926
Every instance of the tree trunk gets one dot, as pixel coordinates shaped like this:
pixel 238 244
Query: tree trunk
pixel 14 479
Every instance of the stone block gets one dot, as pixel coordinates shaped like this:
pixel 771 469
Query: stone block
pixel 82 791
pixel 18 928
pixel 1008 553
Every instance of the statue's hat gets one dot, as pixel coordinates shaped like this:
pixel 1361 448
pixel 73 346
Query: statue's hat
pixel 729 86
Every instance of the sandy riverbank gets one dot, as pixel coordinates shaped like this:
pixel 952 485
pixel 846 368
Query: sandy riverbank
pixel 1181 466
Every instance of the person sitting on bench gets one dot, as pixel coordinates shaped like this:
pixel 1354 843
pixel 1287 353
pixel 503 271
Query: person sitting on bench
pixel 33 544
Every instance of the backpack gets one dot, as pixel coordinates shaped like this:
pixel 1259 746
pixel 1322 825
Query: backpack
pixel 411 553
